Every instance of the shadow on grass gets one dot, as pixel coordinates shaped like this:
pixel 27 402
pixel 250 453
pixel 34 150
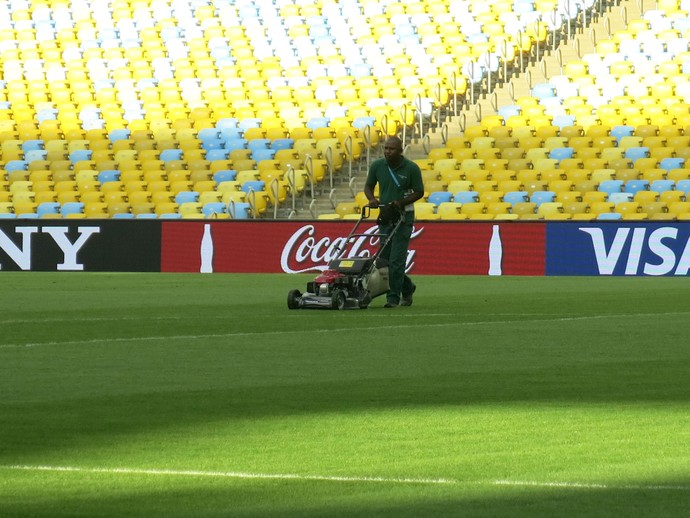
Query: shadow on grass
pixel 31 428
pixel 186 498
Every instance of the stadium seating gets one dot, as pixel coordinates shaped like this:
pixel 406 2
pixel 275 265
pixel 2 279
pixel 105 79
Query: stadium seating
pixel 187 107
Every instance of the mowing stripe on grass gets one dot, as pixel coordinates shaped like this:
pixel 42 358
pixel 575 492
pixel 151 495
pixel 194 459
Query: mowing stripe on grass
pixel 231 474
pixel 584 485
pixel 334 478
pixel 96 341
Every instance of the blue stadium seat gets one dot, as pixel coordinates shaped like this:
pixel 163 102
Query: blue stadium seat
pixel 239 210
pixel 683 185
pixel 227 123
pixel 563 121
pixel 217 154
pixel 109 175
pixel 35 144
pixel 364 121
pixel 609 216
pixel 186 197
pixel 662 185
pixel 562 153
pixel 263 154
pixel 439 197
pixel 231 133
pixel 35 154
pixel 634 186
pixel 259 143
pixel 236 143
pixel 318 122
pixel 249 122
pixel 513 197
pixel 671 163
pixel 171 154
pixel 212 208
pixel 16 165
pixel 208 134
pixel 621 131
pixel 543 91
pixel 72 207
pixel 47 208
pixel 611 186
pixel 618 197
pixel 119 134
pixel 253 185
pixel 466 196
pixel 212 144
pixel 282 143
pixel 224 175
pixel 540 197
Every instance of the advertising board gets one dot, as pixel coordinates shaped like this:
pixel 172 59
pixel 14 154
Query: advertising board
pixel 80 245
pixel 437 248
pixel 299 246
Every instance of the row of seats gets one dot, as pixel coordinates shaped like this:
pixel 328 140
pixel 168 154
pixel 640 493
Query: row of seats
pixel 578 207
pixel 599 210
pixel 124 209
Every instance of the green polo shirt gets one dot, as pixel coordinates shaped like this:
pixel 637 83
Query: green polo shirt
pixel 409 177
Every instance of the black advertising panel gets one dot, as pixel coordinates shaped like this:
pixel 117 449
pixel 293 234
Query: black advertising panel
pixel 80 245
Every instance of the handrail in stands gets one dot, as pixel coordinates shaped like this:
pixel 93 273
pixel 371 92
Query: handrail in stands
pixel 251 198
pixel 366 135
pixel 309 167
pixel 275 190
pixel 349 153
pixel 328 155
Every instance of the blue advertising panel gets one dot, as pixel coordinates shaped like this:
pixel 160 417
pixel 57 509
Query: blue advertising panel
pixel 615 248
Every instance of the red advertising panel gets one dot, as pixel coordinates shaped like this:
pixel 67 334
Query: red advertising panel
pixel 437 248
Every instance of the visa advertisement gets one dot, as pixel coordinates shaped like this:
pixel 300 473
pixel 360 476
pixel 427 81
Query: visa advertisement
pixel 650 249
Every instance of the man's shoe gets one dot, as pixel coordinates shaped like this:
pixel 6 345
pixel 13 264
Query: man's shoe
pixel 407 300
pixel 390 305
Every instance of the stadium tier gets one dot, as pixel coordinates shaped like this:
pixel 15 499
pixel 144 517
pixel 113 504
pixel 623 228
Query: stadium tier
pixel 239 109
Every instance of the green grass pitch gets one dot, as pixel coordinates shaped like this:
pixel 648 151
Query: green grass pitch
pixel 183 395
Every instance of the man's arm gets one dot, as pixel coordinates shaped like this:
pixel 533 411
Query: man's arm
pixel 369 193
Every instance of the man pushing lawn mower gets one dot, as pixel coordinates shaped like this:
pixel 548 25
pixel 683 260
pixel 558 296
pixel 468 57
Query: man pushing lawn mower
pixel 352 281
pixel 400 185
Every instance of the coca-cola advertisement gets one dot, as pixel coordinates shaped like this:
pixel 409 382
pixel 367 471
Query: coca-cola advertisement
pixel 464 248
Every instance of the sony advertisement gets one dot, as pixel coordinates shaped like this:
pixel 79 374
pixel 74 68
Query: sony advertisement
pixel 80 245
pixel 436 248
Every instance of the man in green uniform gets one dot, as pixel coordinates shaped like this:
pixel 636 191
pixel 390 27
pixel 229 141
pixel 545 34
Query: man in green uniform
pixel 400 184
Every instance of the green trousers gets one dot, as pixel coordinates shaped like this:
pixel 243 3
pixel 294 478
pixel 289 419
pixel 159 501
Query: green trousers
pixel 396 255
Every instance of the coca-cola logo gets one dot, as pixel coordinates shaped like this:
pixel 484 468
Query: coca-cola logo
pixel 305 251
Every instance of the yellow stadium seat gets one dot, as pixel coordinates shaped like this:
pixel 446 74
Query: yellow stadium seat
pixel 628 207
pixel 670 197
pixel 679 207
pixel 498 207
pixel 450 211
pixel 601 207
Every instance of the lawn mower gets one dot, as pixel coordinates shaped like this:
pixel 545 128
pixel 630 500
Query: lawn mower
pixel 351 282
